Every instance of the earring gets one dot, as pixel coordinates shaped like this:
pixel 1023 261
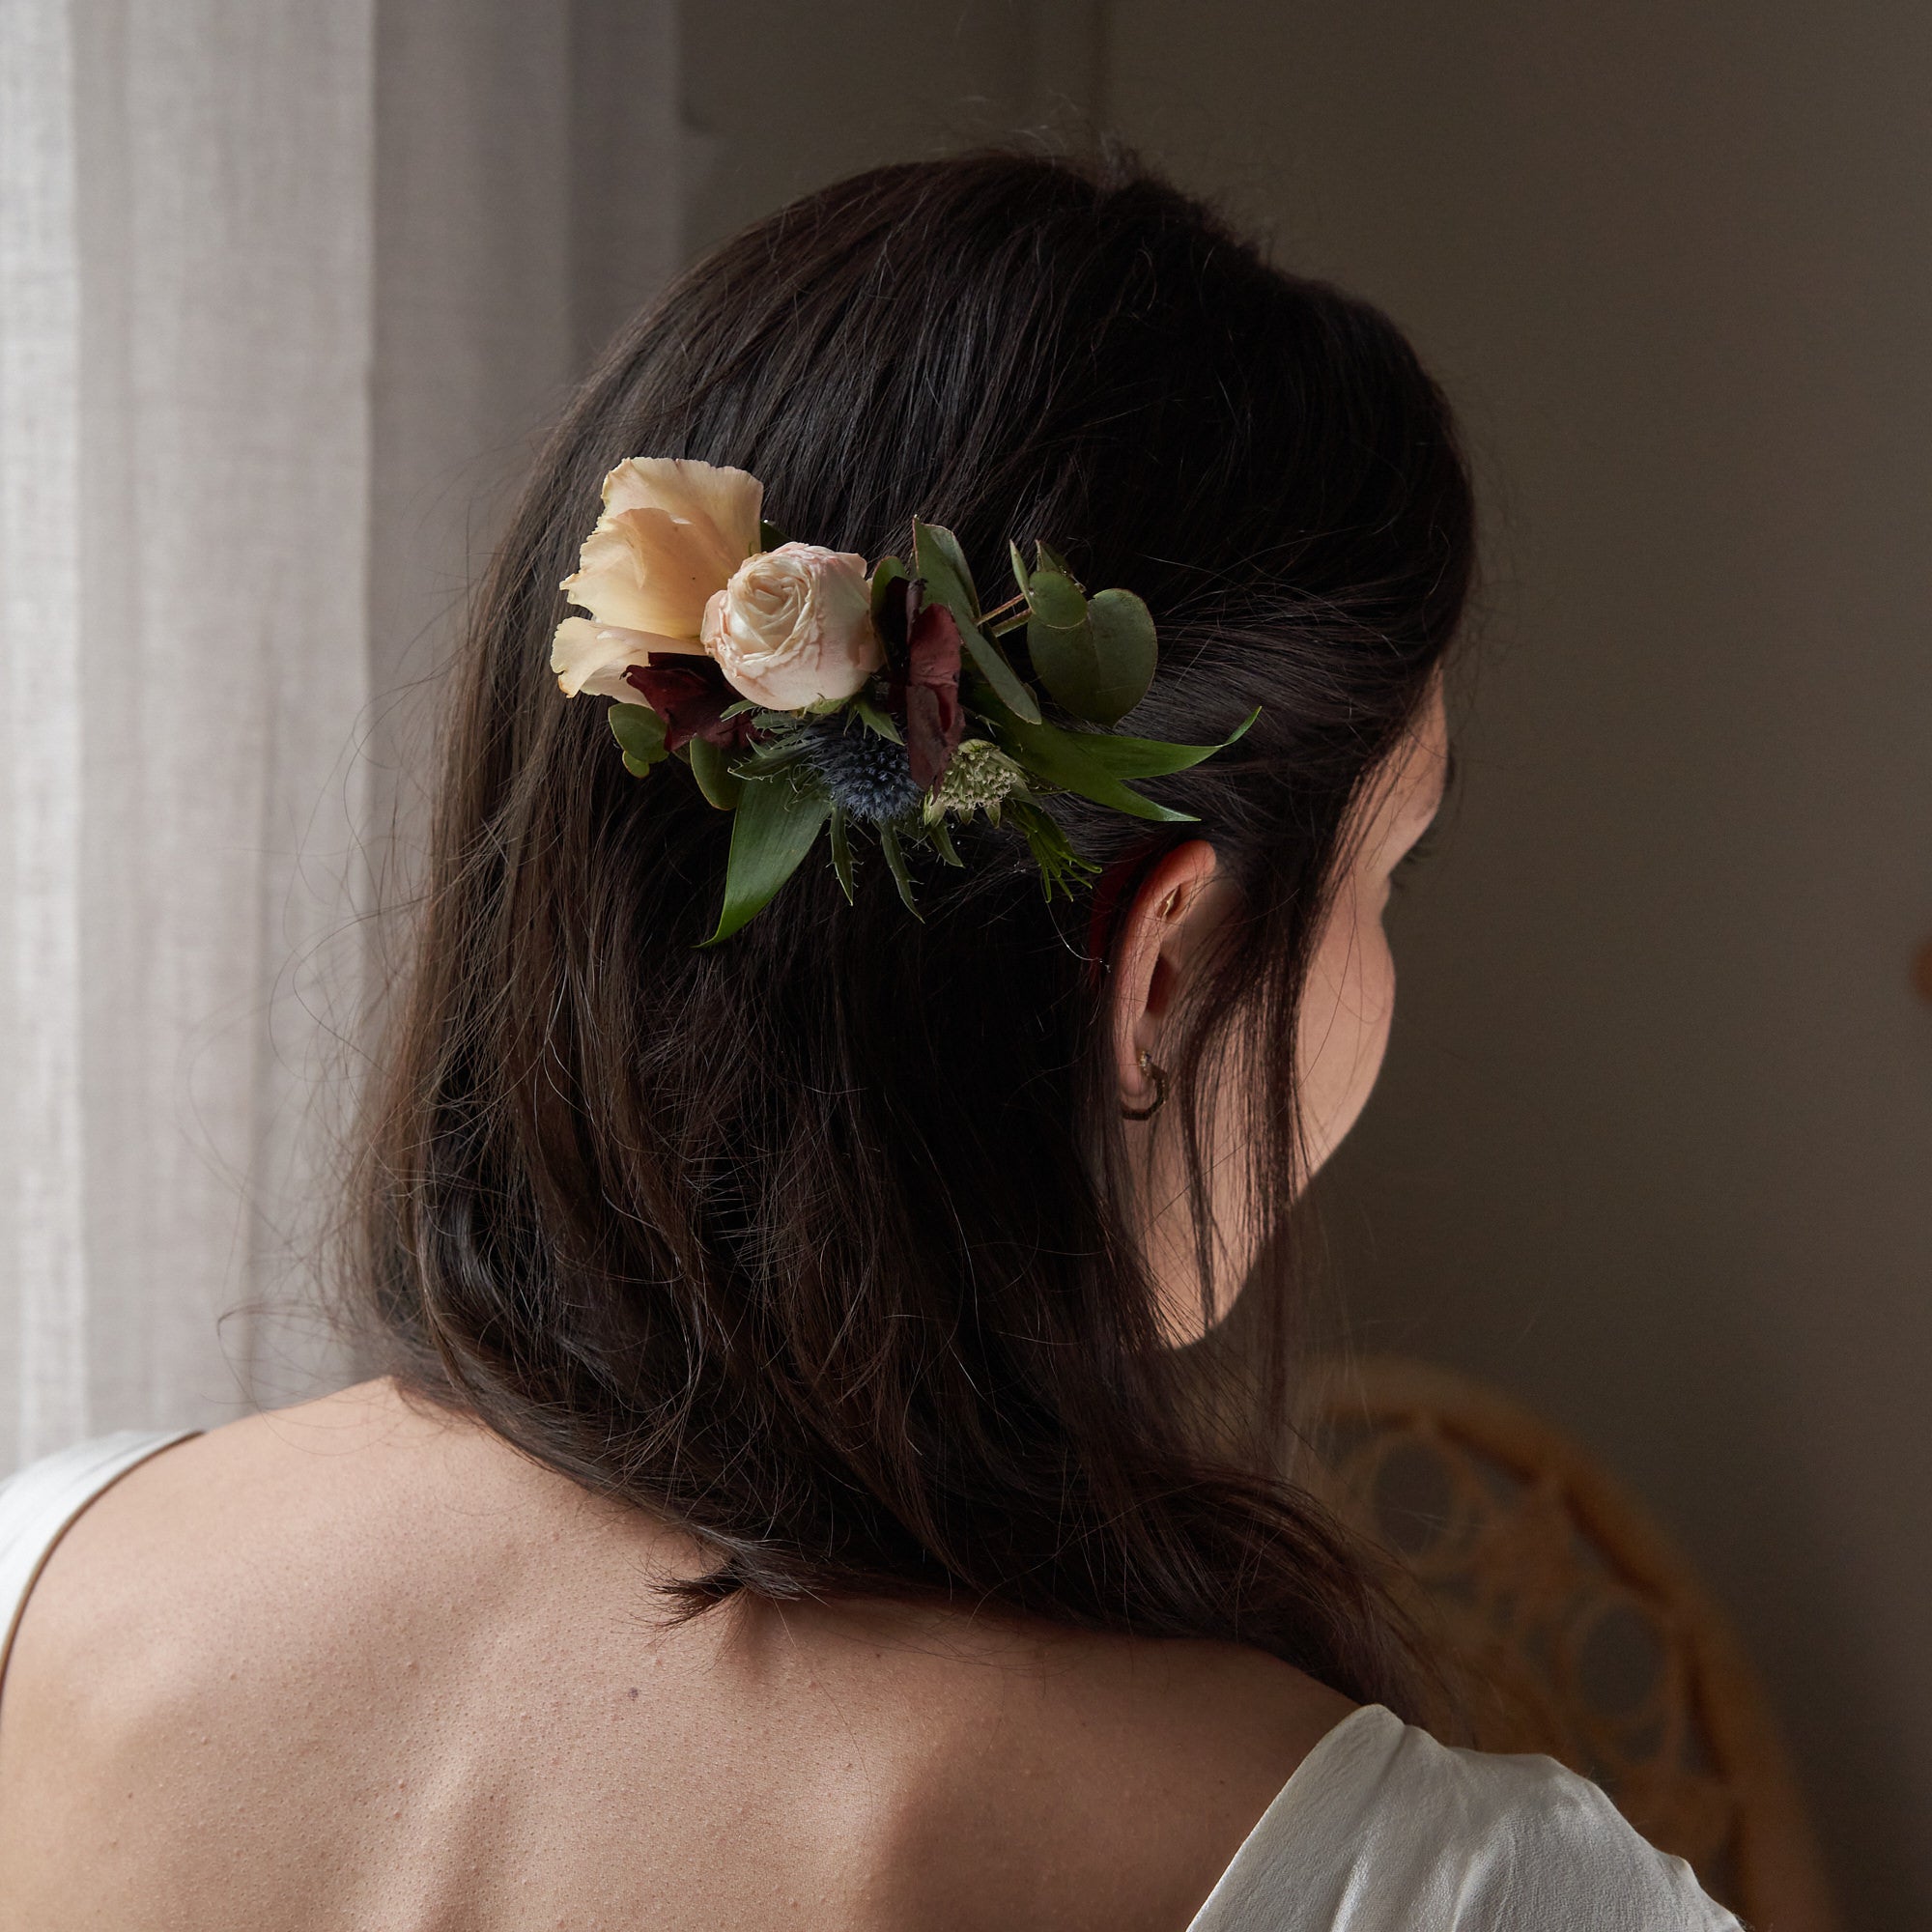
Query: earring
pixel 1158 1076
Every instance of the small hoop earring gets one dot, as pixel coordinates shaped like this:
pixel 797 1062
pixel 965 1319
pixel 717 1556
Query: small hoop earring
pixel 1158 1076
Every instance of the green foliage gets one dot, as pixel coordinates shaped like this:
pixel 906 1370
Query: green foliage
pixel 937 559
pixel 888 571
pixel 1066 760
pixel 1096 655
pixel 942 841
pixel 640 733
pixel 1047 558
pixel 889 844
pixel 1060 868
pixel 778 754
pixel 770 536
pixel 1095 763
pixel 1152 757
pixel 875 718
pixel 841 851
pixel 710 766
pixel 775 824
pixel 1125 650
pixel 991 664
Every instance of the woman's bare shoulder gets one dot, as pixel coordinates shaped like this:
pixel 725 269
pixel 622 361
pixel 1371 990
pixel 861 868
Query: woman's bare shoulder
pixel 1126 1772
pixel 361 1635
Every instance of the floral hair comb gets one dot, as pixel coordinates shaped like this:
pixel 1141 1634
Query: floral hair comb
pixel 808 693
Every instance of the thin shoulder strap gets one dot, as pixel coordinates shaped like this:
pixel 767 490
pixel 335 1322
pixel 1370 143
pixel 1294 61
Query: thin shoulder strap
pixel 38 1504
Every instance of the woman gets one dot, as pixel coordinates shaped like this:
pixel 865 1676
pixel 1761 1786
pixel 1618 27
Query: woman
pixel 813 1481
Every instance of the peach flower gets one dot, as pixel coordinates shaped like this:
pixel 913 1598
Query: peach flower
pixel 671 534
pixel 794 627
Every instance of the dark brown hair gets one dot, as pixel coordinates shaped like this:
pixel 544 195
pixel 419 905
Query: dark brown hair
pixel 816 1241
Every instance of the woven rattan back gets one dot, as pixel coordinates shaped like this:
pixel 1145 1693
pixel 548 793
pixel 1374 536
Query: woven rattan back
pixel 1567 1622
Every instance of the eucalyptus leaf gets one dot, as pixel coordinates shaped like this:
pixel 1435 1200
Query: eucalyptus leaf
pixel 640 731
pixel 710 766
pixel 842 852
pixel 1055 600
pixel 1066 652
pixel 1020 566
pixel 949 580
pixel 775 825
pixel 1047 558
pixel 770 536
pixel 636 767
pixel 889 844
pixel 1125 650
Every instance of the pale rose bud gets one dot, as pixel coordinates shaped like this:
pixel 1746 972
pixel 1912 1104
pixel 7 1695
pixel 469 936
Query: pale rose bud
pixel 794 626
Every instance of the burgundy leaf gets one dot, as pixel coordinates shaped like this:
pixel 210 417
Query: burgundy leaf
pixel 934 720
pixel 690 701
pixel 897 609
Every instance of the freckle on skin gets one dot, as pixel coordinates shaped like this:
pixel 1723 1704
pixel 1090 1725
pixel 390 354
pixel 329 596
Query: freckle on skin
pixel 634 1689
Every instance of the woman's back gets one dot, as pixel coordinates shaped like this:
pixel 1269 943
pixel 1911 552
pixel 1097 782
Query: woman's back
pixel 353 1664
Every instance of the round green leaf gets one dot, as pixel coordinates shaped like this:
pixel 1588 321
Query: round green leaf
pixel 639 730
pixel 1061 645
pixel 1047 558
pixel 1055 600
pixel 1124 651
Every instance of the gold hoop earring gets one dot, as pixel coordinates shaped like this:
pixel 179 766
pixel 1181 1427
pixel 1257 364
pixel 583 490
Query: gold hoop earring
pixel 1158 1076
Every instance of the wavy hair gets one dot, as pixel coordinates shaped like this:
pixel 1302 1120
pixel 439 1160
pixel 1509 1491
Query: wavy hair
pixel 818 1243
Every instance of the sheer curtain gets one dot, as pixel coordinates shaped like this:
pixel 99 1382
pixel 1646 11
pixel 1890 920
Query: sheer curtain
pixel 282 285
pixel 184 497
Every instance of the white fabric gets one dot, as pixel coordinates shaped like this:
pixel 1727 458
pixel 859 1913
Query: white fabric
pixel 1379 1830
pixel 1383 1830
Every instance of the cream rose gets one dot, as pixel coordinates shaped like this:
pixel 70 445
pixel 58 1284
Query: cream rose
pixel 671 533
pixel 794 626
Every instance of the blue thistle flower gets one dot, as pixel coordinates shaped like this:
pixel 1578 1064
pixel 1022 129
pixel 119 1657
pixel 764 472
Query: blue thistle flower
pixel 869 775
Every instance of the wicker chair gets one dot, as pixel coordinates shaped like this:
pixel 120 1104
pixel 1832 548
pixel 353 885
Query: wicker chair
pixel 1567 1622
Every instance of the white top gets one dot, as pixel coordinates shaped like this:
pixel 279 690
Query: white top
pixel 1381 1828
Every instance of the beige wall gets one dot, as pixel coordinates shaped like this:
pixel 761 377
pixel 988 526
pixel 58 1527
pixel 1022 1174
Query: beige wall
pixel 1655 1147
pixel 1655 1150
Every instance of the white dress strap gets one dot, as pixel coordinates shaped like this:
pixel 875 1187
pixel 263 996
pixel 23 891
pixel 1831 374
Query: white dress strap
pixel 1381 1829
pixel 39 1502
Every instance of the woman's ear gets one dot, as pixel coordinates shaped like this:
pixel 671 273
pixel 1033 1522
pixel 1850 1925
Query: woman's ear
pixel 1175 910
